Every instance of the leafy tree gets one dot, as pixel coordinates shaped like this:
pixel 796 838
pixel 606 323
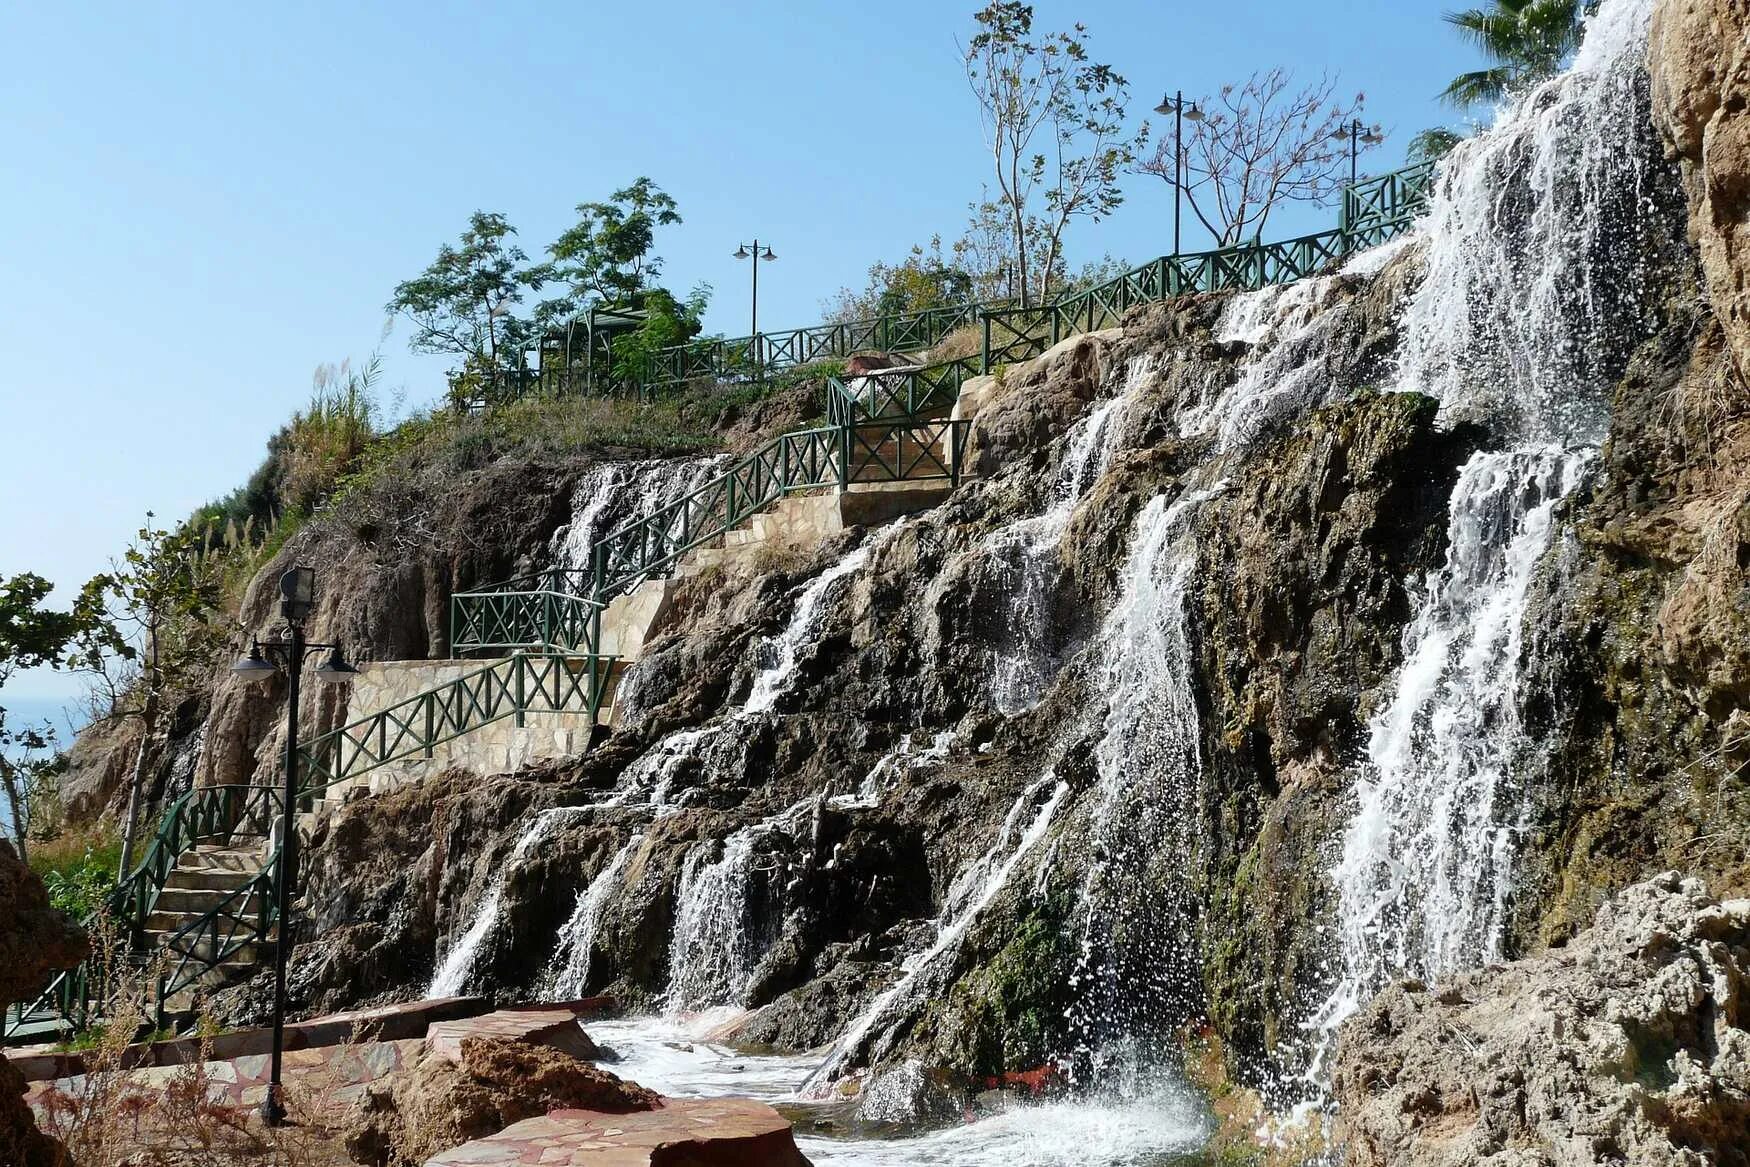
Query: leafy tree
pixel 464 303
pixel 1259 146
pixel 1431 145
pixel 1053 120
pixel 924 279
pixel 161 632
pixel 31 635
pixel 1524 42
pixel 607 257
pixel 668 322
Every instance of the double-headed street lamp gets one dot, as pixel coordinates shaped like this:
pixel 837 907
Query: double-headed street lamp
pixel 1182 113
pixel 1358 135
pixel 753 252
pixel 297 597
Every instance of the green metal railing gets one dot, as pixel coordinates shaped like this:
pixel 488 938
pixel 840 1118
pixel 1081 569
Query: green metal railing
pixel 522 683
pixel 1370 212
pixel 904 394
pixel 548 610
pixel 206 814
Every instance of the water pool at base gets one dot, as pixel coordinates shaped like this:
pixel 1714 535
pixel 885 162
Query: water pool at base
pixel 675 1057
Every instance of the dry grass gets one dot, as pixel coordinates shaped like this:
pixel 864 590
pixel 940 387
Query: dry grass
pixel 112 1115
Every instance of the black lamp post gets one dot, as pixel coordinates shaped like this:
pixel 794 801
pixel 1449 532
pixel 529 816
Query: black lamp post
pixel 1358 135
pixel 744 251
pixel 297 597
pixel 1182 113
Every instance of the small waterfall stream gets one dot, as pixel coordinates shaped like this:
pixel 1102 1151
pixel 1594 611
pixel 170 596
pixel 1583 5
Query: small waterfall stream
pixel 457 965
pixel 1025 552
pixel 569 972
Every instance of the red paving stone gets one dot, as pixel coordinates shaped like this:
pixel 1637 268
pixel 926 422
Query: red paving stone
pixel 558 1028
pixel 720 1132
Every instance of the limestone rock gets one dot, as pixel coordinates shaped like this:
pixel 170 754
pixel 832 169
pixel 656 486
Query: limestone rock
pixel 1629 1045
pixel 492 1082
pixel 699 1132
pixel 34 940
pixel 1701 86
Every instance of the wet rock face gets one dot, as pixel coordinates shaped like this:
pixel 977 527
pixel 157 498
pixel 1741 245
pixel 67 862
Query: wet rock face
pixel 1630 1044
pixel 34 940
pixel 1701 90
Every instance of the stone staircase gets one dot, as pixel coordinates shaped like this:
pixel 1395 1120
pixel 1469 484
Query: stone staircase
pixel 206 878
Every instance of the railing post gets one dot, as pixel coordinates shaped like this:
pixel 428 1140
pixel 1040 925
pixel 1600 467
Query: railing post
pixel 430 722
pixel 984 363
pixel 844 457
pixel 518 665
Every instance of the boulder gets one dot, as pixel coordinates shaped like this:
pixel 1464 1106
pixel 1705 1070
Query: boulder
pixel 491 1082
pixel 35 939
pixel 555 1028
pixel 1631 1044
pixel 696 1132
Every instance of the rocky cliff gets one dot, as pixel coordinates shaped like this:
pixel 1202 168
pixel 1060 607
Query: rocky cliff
pixel 1285 645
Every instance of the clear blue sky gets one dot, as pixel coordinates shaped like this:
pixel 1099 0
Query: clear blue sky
pixel 203 202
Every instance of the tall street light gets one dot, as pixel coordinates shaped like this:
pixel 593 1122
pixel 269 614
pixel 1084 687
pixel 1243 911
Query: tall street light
pixel 1182 113
pixel 753 252
pixel 1358 135
pixel 297 597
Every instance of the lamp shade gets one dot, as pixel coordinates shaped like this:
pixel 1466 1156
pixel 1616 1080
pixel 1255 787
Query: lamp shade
pixel 770 254
pixel 1166 105
pixel 254 666
pixel 741 252
pixel 336 669
pixel 298 592
pixel 1194 114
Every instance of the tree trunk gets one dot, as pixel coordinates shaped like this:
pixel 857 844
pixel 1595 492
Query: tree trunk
pixel 133 813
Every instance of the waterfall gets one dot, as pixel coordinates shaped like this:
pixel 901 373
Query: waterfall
pixel 458 964
pixel 1541 236
pixel 712 951
pixel 1025 553
pixel 1288 330
pixel 1133 970
pixel 611 494
pixel 570 969
pixel 781 651
pixel 971 892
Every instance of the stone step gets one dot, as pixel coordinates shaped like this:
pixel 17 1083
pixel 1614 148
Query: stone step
pixel 206 879
pixel 238 855
pixel 202 949
pixel 184 901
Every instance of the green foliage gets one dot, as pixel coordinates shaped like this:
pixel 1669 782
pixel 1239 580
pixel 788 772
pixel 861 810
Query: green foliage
pixel 323 440
pixel 33 635
pixel 463 303
pixel 1054 121
pixel 924 279
pixel 1523 41
pixel 1433 144
pixel 668 322
pixel 606 257
pixel 79 889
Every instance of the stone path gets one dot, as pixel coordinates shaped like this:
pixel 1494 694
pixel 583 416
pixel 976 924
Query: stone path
pixel 724 1132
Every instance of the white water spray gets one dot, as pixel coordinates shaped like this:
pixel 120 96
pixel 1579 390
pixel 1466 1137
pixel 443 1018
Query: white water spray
pixel 570 970
pixel 458 964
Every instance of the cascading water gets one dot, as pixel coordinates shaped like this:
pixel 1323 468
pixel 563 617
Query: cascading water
pixel 780 652
pixel 1542 242
pixel 569 972
pixel 1025 552
pixel 1543 236
pixel 1137 967
pixel 1426 870
pixel 971 893
pixel 1288 329
pixel 456 967
pixel 614 493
